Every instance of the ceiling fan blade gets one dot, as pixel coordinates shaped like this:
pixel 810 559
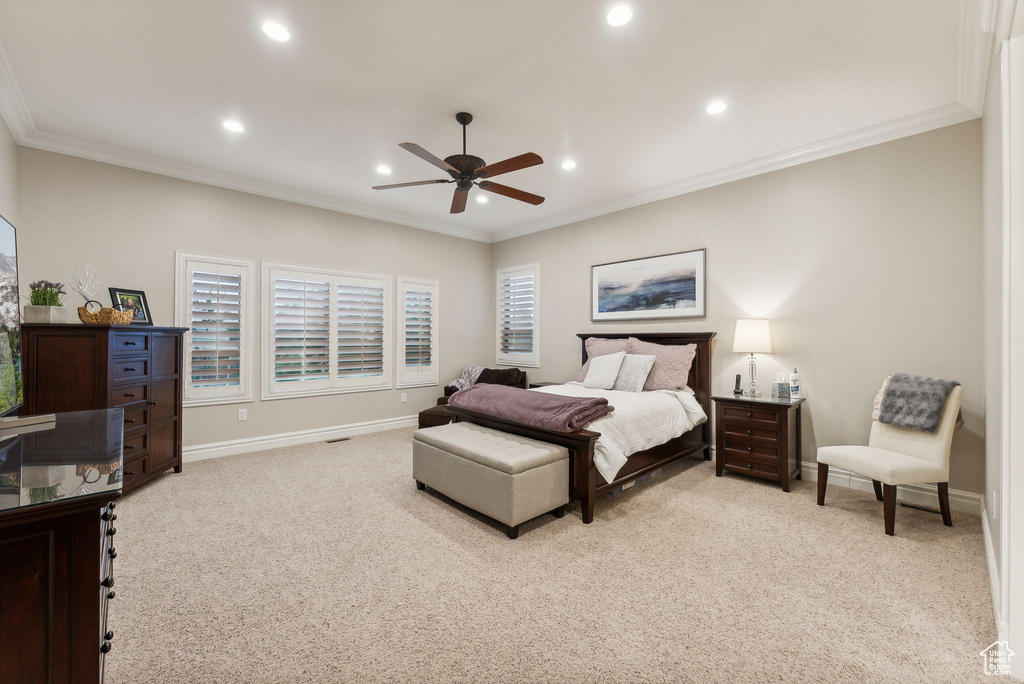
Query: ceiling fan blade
pixel 427 156
pixel 515 194
pixel 459 201
pixel 523 161
pixel 409 185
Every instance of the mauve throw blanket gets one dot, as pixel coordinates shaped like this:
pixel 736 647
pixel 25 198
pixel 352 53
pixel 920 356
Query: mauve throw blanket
pixel 548 411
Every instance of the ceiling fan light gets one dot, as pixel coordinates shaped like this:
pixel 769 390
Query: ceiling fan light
pixel 276 31
pixel 717 107
pixel 619 15
pixel 384 170
pixel 481 199
pixel 568 165
pixel 233 126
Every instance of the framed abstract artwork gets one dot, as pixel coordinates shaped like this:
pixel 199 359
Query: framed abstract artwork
pixel 666 286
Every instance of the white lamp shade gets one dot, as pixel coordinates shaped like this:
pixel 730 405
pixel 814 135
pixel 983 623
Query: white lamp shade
pixel 752 336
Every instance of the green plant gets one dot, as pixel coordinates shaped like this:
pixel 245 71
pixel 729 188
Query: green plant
pixel 45 293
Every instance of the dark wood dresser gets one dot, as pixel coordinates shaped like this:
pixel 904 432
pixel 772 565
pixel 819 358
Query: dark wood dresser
pixel 758 436
pixel 57 489
pixel 137 368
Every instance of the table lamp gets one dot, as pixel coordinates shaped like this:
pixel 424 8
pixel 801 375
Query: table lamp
pixel 753 337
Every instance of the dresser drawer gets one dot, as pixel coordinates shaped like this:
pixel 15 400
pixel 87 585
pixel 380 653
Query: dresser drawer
pixel 749 450
pixel 751 416
pixel 751 467
pixel 135 444
pixel 135 470
pixel 124 343
pixel 129 394
pixel 135 418
pixel 131 369
pixel 750 432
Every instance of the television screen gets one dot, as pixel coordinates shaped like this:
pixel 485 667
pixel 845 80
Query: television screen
pixel 10 322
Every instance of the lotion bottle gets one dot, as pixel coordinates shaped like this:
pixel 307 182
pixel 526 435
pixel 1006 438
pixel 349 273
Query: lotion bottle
pixel 794 385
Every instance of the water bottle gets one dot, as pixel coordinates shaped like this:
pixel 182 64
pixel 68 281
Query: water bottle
pixel 794 385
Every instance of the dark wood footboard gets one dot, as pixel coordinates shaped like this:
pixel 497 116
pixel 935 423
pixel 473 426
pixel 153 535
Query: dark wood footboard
pixel 583 475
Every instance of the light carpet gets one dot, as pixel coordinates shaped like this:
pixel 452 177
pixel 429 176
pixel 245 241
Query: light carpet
pixel 323 563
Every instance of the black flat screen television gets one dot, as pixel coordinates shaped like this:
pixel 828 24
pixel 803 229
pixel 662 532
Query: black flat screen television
pixel 11 390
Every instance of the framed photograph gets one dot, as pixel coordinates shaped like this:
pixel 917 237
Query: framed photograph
pixel 132 300
pixel 666 286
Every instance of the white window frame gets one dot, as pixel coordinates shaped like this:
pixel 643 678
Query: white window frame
pixel 332 385
pixel 527 360
pixel 185 263
pixel 429 376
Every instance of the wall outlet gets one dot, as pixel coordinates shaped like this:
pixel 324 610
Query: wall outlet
pixel 243 414
pixel 405 397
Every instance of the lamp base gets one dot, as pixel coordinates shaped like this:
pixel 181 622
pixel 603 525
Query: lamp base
pixel 753 377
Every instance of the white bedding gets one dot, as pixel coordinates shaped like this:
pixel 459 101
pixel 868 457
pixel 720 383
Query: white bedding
pixel 640 421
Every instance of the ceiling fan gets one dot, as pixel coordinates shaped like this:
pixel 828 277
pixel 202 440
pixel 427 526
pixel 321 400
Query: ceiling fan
pixel 467 170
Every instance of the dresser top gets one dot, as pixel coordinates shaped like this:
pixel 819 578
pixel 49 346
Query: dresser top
pixel 739 399
pixel 91 326
pixel 77 456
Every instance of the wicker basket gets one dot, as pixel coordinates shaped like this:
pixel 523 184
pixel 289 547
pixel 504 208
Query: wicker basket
pixel 105 316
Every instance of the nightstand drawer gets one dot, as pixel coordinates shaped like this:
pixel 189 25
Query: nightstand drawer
pixel 756 452
pixel 750 432
pixel 750 415
pixel 742 465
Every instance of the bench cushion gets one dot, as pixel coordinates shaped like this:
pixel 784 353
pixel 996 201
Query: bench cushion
pixel 510 454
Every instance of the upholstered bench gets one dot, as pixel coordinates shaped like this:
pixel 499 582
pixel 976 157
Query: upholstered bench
pixel 506 477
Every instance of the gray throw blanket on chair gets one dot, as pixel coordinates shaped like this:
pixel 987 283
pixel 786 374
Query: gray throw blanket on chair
pixel 915 402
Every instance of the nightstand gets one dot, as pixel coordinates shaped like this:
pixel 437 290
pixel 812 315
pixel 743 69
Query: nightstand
pixel 758 436
pixel 534 385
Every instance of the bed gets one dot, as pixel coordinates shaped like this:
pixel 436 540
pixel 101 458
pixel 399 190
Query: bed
pixel 585 482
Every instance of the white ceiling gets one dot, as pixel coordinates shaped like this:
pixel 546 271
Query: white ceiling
pixel 146 84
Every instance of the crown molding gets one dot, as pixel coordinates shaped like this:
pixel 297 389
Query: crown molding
pixel 939 117
pixel 978 23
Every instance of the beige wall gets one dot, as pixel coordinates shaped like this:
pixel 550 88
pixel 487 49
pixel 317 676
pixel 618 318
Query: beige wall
pixel 992 285
pixel 8 175
pixel 866 263
pixel 128 224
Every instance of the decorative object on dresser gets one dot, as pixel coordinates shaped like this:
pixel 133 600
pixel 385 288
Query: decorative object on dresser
pixel 753 336
pixel 758 436
pixel 47 303
pixel 92 311
pixel 666 286
pixel 57 491
pixel 83 367
pixel 134 301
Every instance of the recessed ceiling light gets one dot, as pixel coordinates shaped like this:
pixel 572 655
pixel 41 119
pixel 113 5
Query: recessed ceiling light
pixel 384 169
pixel 276 31
pixel 233 126
pixel 619 15
pixel 568 165
pixel 717 107
pixel 482 199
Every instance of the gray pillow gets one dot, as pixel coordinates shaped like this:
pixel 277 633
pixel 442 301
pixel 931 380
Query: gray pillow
pixel 633 372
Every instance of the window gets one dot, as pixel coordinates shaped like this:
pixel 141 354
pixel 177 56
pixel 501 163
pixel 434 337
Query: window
pixel 519 316
pixel 214 301
pixel 417 333
pixel 324 331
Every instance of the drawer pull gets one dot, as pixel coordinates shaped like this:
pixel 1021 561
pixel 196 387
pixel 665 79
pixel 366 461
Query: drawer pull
pixel 112 505
pixel 749 432
pixel 112 531
pixel 130 369
pixel 130 473
pixel 750 449
pixel 130 343
pixel 111 595
pixel 129 446
pixel 130 395
pixel 112 552
pixel 750 415
pixel 109 635
pixel 108 582
pixel 130 421
pixel 105 648
pixel 107 515
pixel 152 403
pixel 750 466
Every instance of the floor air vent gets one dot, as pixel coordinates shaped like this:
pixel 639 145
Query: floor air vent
pixel 926 509
pixel 335 441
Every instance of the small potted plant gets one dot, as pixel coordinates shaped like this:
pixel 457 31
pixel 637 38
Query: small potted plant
pixel 47 303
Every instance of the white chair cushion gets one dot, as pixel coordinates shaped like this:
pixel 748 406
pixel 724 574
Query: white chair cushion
pixel 888 467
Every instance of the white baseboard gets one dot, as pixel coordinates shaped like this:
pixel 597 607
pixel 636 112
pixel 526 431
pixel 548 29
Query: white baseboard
pixel 918 494
pixel 993 574
pixel 199 452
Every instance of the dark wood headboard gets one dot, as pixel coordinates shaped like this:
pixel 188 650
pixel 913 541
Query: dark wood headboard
pixel 700 372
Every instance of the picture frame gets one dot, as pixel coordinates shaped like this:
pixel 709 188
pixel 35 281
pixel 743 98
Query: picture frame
pixel 656 287
pixel 122 299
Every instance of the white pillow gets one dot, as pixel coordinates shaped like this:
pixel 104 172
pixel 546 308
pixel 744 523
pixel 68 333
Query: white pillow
pixel 633 372
pixel 603 371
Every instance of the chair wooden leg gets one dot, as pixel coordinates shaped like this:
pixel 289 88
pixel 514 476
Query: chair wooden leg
pixel 822 482
pixel 878 489
pixel 947 519
pixel 889 508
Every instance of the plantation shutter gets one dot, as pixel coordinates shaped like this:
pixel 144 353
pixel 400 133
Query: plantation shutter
pixel 212 301
pixel 518 293
pixel 302 330
pixel 417 356
pixel 360 328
